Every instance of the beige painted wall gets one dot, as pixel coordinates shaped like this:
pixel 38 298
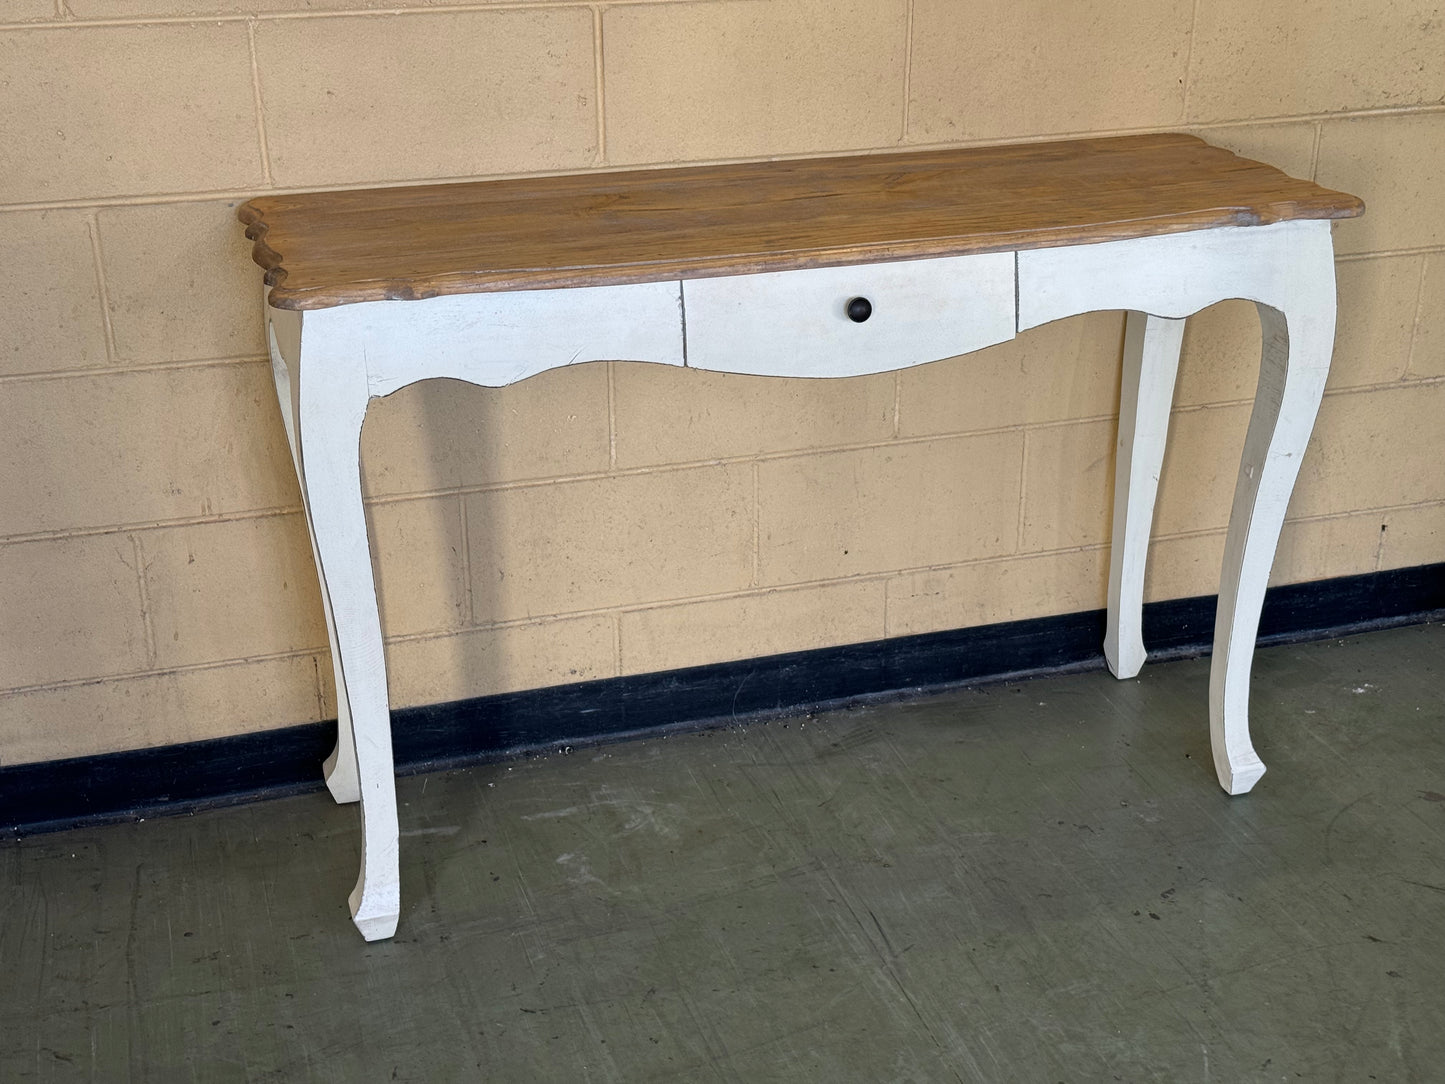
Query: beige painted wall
pixel 155 579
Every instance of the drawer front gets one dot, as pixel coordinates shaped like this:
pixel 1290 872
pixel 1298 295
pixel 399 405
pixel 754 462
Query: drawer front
pixel 496 339
pixel 796 323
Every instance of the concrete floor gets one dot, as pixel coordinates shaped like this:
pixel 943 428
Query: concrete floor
pixel 1026 882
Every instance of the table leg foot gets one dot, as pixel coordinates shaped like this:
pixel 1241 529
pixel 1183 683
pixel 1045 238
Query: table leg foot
pixel 340 768
pixel 1124 661
pixel 376 912
pixel 1151 361
pixel 1240 776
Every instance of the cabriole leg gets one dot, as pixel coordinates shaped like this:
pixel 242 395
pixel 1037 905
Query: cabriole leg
pixel 332 405
pixel 1151 361
pixel 1294 365
pixel 339 770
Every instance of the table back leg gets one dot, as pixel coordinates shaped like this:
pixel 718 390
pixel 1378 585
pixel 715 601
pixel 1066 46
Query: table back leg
pixel 1151 361
pixel 339 770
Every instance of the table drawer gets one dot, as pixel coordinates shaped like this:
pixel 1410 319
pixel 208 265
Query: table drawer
pixel 797 323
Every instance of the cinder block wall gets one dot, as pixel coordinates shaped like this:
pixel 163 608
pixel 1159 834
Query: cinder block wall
pixel 155 580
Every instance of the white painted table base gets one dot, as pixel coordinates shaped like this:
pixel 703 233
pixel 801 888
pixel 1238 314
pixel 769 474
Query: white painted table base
pixel 329 363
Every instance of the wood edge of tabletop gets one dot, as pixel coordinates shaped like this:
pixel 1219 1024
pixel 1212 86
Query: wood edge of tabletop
pixel 1324 204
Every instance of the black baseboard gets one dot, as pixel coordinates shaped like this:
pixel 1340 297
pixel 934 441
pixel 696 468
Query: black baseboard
pixel 195 775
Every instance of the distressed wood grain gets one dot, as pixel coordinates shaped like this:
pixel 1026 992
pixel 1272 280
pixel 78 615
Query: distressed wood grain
pixel 321 249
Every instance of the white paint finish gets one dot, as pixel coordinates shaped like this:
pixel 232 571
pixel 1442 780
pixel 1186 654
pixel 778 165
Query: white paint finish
pixel 283 333
pixel 1288 270
pixel 1174 274
pixel 496 339
pixel 324 405
pixel 1151 362
pixel 330 362
pixel 793 323
pixel 1298 341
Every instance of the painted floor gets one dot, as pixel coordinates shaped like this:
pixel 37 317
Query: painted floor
pixel 1027 882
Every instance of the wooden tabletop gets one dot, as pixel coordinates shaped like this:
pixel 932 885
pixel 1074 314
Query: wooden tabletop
pixel 321 249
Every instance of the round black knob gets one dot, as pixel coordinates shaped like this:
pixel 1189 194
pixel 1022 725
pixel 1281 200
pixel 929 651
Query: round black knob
pixel 858 309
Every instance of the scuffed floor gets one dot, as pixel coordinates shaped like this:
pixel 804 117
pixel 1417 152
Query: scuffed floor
pixel 1034 882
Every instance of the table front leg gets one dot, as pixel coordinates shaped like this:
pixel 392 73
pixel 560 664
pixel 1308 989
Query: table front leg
pixel 1293 368
pixel 332 407
pixel 1288 270
pixel 1151 361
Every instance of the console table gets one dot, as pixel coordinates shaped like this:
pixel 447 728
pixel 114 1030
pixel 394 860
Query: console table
pixel 823 267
